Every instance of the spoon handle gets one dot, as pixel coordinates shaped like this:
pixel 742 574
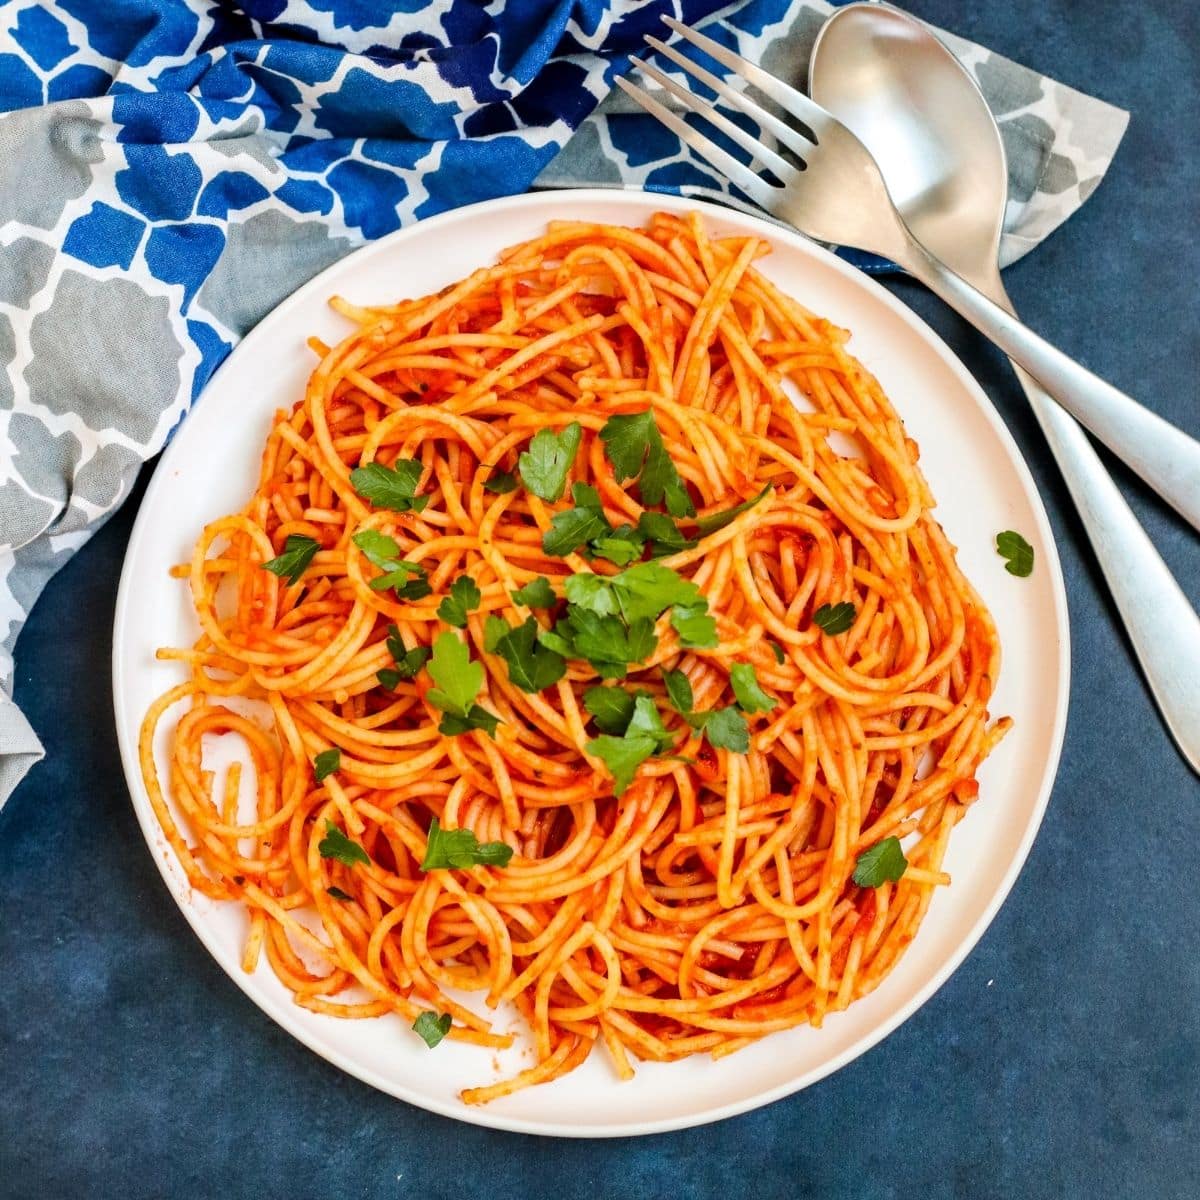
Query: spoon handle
pixel 1161 623
pixel 1164 456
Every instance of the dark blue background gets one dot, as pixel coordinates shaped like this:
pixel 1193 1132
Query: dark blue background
pixel 1061 1060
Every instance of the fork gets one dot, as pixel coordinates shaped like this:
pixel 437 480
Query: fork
pixel 835 193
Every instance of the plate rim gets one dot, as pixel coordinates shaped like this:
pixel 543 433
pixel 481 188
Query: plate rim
pixel 287 1017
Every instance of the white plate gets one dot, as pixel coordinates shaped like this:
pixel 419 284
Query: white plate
pixel 977 475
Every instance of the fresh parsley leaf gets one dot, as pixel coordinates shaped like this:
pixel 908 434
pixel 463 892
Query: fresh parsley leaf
pixel 494 628
pixel 337 893
pixel 408 579
pixel 634 446
pixel 750 697
pixel 378 549
pixel 883 861
pixel 408 662
pixel 835 618
pixel 393 487
pixel 545 464
pixel 777 650
pixel 298 551
pixel 663 534
pixel 605 641
pixel 725 729
pixel 611 708
pixel 621 546
pixel 647 722
pixel 458 682
pixel 648 589
pixel 532 666
pixel 593 592
pixel 431 1027
pixel 336 845
pixel 622 756
pixel 500 482
pixel 573 528
pixel 536 594
pixel 679 691
pixel 388 678
pixel 326 763
pixel 464 598
pixel 454 849
pixel 697 629
pixel 476 717
pixel 718 520
pixel 1011 546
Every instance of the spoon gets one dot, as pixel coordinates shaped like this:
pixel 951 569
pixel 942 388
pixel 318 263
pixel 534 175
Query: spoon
pixel 921 114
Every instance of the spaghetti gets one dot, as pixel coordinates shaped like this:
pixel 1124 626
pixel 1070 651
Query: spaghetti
pixel 712 898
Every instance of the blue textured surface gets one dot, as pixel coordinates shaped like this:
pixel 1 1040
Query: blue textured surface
pixel 1062 1060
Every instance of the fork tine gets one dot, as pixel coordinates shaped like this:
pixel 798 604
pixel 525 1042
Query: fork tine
pixel 794 102
pixel 766 121
pixel 760 191
pixel 689 100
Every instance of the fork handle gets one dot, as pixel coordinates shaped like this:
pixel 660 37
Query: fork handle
pixel 1164 456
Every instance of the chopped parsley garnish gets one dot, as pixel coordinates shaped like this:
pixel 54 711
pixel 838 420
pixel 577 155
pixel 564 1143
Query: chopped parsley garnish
pixel 750 697
pixel 454 849
pixel 573 528
pixel 432 1027
pixel 532 666
pixel 407 579
pixel 500 482
pixel 777 650
pixel 644 734
pixel 646 721
pixel 407 662
pixel 835 618
pixel 326 763
pixel 604 641
pixel 298 551
pixel 725 729
pixel 694 624
pixel 662 533
pixel 679 691
pixel 464 597
pixel 337 893
pixel 645 590
pixel 336 845
pixel 611 708
pixel 545 464
pixel 622 756
pixel 719 520
pixel 393 487
pixel 881 862
pixel 536 594
pixel 1012 547
pixel 634 446
pixel 622 546
pixel 458 682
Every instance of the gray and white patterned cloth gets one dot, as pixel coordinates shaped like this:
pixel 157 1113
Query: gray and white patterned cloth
pixel 158 196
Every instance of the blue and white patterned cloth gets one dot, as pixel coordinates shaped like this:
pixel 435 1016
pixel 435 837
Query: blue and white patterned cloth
pixel 171 169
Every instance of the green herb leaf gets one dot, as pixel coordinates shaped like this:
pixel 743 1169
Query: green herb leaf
pixel 464 598
pixel 835 618
pixel 663 534
pixel 573 528
pixel 593 592
pixel 476 717
pixel 545 464
pixel 408 579
pixel 408 662
pixel 326 763
pixel 649 589
pixel 431 1027
pixel 500 482
pixel 336 845
pixel 532 666
pixel 750 697
pixel 718 520
pixel 454 849
pixel 458 679
pixel 679 691
pixel 391 487
pixel 725 729
pixel 494 628
pixel 1011 546
pixel 621 546
pixel 298 551
pixel 604 640
pixel 777 650
pixel 696 628
pixel 881 862
pixel 647 722
pixel 378 549
pixel 622 756
pixel 634 446
pixel 536 594
pixel 611 707
pixel 337 893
